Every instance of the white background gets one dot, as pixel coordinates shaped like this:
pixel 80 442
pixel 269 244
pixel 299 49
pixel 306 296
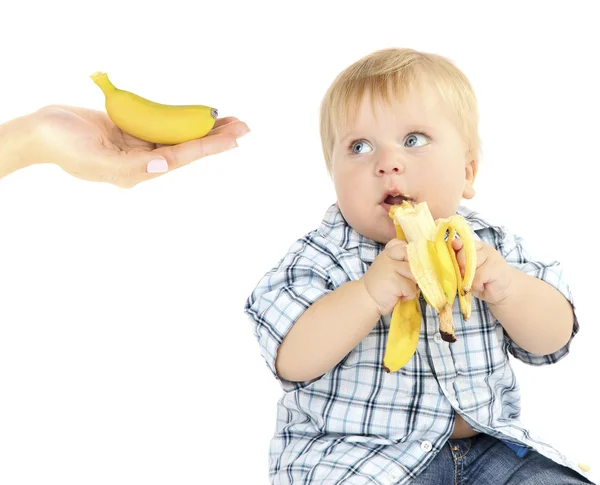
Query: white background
pixel 125 355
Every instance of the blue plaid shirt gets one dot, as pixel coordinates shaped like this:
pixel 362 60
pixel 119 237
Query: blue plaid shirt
pixel 356 424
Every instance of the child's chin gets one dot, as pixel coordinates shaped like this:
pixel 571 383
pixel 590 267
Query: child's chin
pixel 385 237
pixel 379 228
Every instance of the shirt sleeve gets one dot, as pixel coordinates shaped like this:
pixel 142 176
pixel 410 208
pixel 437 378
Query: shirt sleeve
pixel 281 297
pixel 511 247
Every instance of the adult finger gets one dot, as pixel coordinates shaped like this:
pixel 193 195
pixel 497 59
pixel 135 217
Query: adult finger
pixel 230 126
pixel 224 121
pixel 236 129
pixel 189 151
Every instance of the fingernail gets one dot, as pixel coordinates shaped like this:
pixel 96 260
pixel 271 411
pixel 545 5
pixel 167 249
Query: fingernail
pixel 157 166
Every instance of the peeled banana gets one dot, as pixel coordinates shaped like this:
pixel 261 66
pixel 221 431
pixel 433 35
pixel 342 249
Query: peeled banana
pixel 154 122
pixel 433 263
pixel 433 260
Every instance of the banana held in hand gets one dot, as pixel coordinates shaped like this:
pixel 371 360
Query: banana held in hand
pixel 154 122
pixel 405 326
pixel 433 261
pixel 460 226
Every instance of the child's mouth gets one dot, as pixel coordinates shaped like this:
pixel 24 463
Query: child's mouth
pixel 396 199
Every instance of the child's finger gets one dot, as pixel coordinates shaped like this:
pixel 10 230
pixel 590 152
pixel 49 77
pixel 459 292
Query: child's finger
pixel 394 242
pixel 460 256
pixel 397 251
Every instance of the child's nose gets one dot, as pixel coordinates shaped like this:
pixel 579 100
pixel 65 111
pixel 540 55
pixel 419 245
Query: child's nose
pixel 389 163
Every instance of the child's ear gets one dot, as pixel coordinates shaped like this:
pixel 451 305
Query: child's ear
pixel 470 175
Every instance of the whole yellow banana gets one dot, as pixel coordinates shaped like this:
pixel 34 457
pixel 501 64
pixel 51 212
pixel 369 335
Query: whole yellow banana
pixel 154 122
pixel 405 326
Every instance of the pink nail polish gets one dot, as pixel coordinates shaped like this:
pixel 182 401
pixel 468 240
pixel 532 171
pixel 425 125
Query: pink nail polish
pixel 157 166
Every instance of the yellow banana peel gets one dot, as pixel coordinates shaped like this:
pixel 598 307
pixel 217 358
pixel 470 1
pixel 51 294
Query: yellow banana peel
pixel 154 122
pixel 433 263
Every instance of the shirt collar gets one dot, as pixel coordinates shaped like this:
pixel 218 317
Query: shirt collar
pixel 336 229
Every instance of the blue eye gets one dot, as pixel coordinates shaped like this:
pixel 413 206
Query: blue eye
pixel 357 147
pixel 415 140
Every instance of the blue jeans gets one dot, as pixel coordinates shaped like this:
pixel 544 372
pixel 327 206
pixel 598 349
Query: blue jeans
pixel 484 460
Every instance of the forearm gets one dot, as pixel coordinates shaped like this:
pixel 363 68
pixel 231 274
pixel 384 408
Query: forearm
pixel 326 332
pixel 536 316
pixel 15 144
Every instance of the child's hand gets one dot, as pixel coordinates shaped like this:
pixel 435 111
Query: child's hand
pixel 492 274
pixel 389 278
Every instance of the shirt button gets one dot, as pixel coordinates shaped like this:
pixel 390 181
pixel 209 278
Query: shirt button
pixel 426 445
pixel 437 337
pixel 394 475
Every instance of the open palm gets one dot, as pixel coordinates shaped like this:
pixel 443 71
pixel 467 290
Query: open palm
pixel 88 145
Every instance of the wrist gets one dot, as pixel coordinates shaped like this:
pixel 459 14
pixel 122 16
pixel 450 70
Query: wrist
pixel 16 143
pixel 368 298
pixel 512 288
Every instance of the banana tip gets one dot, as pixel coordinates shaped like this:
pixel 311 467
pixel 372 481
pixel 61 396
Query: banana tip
pixel 97 75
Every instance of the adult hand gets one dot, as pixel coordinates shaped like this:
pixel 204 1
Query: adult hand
pixel 88 145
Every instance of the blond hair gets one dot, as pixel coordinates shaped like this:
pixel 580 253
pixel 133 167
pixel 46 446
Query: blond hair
pixel 397 70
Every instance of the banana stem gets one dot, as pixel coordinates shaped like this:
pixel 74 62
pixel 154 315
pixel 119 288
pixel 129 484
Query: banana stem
pixel 101 79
